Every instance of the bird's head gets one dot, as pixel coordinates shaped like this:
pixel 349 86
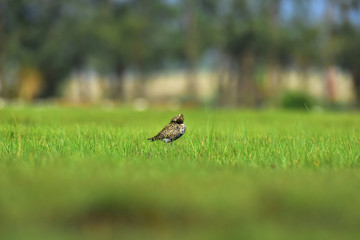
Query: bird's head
pixel 178 119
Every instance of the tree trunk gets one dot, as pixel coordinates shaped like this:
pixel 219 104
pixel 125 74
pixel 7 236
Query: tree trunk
pixel 356 81
pixel 140 85
pixel 51 86
pixel 330 81
pixel 2 80
pixel 117 91
pixel 246 89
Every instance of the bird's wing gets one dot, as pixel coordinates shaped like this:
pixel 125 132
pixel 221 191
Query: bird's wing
pixel 168 131
pixel 172 131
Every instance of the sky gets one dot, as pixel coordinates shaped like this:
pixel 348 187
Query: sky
pixel 316 9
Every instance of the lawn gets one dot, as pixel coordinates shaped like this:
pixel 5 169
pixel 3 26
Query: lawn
pixel 75 173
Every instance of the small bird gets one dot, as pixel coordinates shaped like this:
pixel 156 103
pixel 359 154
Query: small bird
pixel 175 129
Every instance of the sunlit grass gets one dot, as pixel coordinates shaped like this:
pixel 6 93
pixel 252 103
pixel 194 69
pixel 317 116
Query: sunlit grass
pixel 91 172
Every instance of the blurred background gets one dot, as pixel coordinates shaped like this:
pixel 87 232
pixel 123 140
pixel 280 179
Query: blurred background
pixel 172 53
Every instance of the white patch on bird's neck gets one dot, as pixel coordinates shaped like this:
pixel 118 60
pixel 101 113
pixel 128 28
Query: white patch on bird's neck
pixel 182 128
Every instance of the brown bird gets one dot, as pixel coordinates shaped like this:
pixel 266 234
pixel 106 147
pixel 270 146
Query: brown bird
pixel 175 129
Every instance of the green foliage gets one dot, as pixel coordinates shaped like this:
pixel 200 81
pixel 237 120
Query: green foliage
pixel 91 173
pixel 297 100
pixel 110 36
pixel 58 37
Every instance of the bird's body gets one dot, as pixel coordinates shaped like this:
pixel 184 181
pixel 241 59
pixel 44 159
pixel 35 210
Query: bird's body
pixel 175 129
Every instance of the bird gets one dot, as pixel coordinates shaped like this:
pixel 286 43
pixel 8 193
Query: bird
pixel 172 131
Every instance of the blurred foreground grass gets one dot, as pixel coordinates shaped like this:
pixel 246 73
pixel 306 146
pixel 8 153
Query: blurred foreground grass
pixel 90 173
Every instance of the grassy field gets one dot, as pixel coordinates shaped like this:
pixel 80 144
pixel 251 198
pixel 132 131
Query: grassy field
pixel 69 173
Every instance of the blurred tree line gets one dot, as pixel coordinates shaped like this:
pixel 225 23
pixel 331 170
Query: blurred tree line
pixel 50 39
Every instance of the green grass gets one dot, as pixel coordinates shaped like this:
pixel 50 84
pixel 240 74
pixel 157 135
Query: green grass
pixel 90 173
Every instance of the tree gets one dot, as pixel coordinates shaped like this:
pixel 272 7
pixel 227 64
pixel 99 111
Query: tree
pixel 347 33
